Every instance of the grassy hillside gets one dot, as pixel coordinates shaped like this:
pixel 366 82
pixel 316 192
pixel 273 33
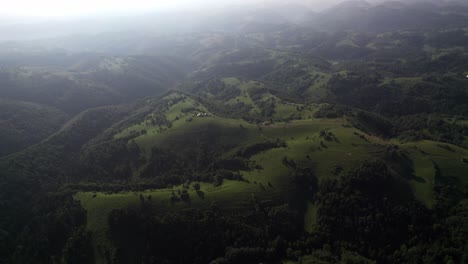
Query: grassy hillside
pixel 327 147
pixel 283 71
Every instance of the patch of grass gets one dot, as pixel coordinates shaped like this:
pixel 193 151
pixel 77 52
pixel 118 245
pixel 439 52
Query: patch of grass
pixel 463 123
pixel 310 217
pixel 449 159
pixel 319 89
pixel 231 81
pixel 347 42
pixel 406 83
pixel 423 183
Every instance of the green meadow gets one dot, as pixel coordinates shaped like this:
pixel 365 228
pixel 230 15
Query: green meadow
pixel 271 179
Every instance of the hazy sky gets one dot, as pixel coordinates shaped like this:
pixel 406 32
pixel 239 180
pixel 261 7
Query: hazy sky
pixel 76 7
pixel 89 7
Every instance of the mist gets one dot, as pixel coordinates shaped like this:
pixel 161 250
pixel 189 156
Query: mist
pixel 63 9
pixel 34 20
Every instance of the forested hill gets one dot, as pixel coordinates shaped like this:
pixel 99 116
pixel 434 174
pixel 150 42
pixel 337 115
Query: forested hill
pixel 266 135
pixel 76 82
pixel 40 92
pixel 24 124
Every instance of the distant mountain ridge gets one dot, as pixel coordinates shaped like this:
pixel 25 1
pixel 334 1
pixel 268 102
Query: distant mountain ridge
pixel 387 16
pixel 221 19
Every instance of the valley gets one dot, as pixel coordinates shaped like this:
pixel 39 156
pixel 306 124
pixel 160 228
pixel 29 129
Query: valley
pixel 262 134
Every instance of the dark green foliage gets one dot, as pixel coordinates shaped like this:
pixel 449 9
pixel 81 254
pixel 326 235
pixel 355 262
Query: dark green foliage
pixel 254 235
pixel 356 88
pixel 238 109
pixel 250 70
pixel 111 160
pixel 331 111
pixel 27 183
pixel 293 75
pixel 372 123
pixel 24 124
pixel 432 127
pixel 233 164
pixel 449 38
pixel 78 248
pixel 56 230
pixel 433 93
pixel 328 136
pixel 167 167
pixel 253 149
pixel 367 211
pixel 289 163
pixel 218 89
pixel 74 89
pixel 184 196
pixel 363 199
pixel 448 191
pixel 445 94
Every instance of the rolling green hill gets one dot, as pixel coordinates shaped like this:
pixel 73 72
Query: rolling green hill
pixel 227 138
pixel 339 138
pixel 177 125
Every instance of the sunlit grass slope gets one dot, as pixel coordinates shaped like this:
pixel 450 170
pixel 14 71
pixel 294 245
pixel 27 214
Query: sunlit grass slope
pixel 271 179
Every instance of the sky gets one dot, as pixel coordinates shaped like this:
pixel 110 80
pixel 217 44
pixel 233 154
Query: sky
pixel 45 8
pixel 77 7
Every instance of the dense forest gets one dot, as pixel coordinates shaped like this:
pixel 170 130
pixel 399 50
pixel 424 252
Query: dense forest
pixel 266 136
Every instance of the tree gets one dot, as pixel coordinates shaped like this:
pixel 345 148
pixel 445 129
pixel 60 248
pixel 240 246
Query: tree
pixel 184 196
pixel 78 248
pixel 186 184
